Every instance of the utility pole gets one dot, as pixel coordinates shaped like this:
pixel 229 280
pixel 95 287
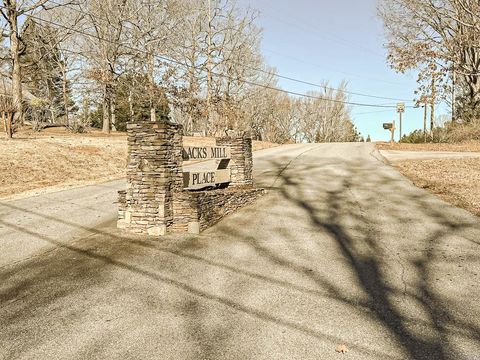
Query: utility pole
pixel 400 111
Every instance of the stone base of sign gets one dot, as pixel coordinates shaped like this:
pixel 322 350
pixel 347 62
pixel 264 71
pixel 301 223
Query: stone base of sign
pixel 155 201
pixel 194 211
pixel 241 157
pixel 122 207
pixel 207 207
pixel 194 227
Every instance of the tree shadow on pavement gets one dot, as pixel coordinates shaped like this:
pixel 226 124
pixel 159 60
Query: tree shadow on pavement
pixel 343 205
pixel 45 288
pixel 353 223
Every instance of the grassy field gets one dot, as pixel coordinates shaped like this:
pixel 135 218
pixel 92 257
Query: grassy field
pixel 468 146
pixel 33 163
pixel 456 180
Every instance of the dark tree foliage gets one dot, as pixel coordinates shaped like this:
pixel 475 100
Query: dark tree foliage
pixel 133 101
pixel 41 68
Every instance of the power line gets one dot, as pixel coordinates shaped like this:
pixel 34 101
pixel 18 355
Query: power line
pixel 335 89
pixel 333 36
pixel 276 74
pixel 332 69
pixel 217 74
pixel 371 112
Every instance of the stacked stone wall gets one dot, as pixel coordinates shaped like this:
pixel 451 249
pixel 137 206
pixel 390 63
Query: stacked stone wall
pixel 241 162
pixel 154 174
pixel 202 209
pixel 211 207
pixel 155 202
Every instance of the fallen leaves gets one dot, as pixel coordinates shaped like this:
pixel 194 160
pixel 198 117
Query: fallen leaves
pixel 341 349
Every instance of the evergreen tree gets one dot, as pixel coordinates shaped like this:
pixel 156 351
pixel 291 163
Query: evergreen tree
pixel 42 66
pixel 132 95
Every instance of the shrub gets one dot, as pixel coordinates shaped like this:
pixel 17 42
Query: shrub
pixel 418 137
pixel 450 133
pixel 464 132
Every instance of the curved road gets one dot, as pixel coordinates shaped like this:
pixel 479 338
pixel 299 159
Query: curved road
pixel 342 250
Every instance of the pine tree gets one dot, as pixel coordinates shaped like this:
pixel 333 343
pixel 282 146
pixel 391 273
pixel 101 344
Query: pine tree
pixel 132 95
pixel 41 67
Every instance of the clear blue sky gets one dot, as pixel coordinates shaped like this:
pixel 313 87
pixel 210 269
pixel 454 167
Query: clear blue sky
pixel 317 40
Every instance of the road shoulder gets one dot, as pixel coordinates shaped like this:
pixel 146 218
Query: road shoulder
pixel 453 176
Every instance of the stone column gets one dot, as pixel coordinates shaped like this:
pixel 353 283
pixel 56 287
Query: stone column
pixel 154 174
pixel 241 162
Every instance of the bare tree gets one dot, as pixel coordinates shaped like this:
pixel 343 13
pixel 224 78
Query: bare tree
pixel 325 117
pixel 12 12
pixel 107 27
pixel 50 48
pixel 440 39
pixel 156 32
pixel 219 52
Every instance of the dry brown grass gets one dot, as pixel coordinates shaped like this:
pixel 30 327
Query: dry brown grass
pixel 468 146
pixel 32 162
pixel 454 180
pixel 56 159
pixel 260 145
pixel 210 141
pixel 198 141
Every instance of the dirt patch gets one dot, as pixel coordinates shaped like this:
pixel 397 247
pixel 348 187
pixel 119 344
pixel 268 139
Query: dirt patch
pixel 454 180
pixel 469 146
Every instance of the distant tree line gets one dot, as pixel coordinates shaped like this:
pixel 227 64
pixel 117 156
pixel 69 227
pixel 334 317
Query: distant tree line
pixel 103 63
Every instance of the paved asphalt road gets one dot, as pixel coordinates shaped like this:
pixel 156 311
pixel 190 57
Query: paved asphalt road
pixel 342 250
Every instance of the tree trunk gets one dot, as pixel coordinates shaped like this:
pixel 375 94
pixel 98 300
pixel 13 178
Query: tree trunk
pixel 106 109
pixel 15 56
pixel 473 97
pixel 209 127
pixel 130 105
pixel 425 122
pixel 85 111
pixel 52 119
pixel 9 125
pixel 151 81
pixel 65 96
pixel 112 109
pixel 432 107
